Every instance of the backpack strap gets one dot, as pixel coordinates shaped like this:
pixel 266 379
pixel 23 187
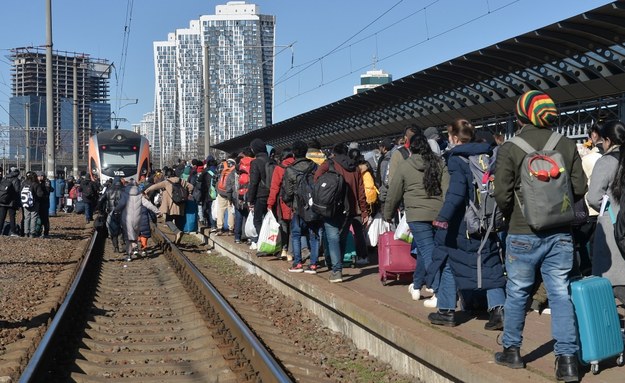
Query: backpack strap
pixel 553 141
pixel 521 143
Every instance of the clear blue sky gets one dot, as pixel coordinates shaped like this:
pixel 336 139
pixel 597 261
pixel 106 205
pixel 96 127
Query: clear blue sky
pixel 406 36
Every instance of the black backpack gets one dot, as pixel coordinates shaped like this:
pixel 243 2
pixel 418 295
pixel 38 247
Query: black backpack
pixel 7 191
pixel 179 194
pixel 329 193
pixel 304 189
pixel 87 189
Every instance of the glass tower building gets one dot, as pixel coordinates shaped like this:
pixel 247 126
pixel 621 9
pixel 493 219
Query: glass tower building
pixel 239 42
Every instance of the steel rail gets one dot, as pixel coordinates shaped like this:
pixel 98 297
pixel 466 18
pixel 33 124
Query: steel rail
pixel 262 361
pixel 41 354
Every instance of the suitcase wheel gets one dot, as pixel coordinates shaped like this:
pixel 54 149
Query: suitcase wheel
pixel 620 361
pixel 594 368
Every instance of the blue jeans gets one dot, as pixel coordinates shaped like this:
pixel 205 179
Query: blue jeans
pixel 446 291
pixel 238 222
pixel 553 256
pixel 299 229
pixel 423 234
pixel 495 297
pixel 88 210
pixel 336 232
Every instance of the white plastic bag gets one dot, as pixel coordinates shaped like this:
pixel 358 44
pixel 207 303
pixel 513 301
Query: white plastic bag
pixel 376 227
pixel 269 236
pixel 403 230
pixel 250 229
pixel 214 210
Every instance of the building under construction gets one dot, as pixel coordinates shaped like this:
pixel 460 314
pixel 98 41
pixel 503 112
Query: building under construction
pixel 28 78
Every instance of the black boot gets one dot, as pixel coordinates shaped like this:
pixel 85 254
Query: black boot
pixel 495 321
pixel 443 318
pixel 566 368
pixel 510 357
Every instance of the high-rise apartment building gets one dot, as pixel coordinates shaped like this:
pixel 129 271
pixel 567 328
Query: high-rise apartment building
pixel 239 42
pixel 371 79
pixel 28 98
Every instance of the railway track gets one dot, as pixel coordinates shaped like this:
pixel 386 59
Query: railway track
pixel 154 319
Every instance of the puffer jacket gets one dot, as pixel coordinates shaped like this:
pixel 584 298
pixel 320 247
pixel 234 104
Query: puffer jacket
pixel 454 243
pixel 130 205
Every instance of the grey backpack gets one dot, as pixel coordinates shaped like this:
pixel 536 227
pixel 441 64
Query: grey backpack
pixel 546 197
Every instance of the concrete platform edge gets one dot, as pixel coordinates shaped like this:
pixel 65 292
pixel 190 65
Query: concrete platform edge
pixel 408 353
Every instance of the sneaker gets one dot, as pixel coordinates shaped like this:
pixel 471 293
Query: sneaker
pixel 311 269
pixel 128 258
pixel 253 246
pixel 546 311
pixel 178 237
pixel 284 254
pixel 289 257
pixel 416 294
pixel 213 230
pixel 296 268
pixel 14 235
pixel 429 290
pixel 362 261
pixel 431 303
pixel 336 277
pixel 237 241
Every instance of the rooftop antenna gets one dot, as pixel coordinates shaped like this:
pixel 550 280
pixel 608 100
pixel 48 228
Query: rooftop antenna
pixel 375 61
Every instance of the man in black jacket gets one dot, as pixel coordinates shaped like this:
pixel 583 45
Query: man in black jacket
pixel 258 191
pixel 90 196
pixel 44 204
pixel 10 199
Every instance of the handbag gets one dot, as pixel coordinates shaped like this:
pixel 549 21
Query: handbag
pixel 607 261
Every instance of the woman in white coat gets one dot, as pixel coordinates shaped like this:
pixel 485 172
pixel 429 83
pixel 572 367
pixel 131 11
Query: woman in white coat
pixel 129 206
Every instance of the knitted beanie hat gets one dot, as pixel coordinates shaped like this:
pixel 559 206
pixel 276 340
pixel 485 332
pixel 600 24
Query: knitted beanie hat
pixel 536 108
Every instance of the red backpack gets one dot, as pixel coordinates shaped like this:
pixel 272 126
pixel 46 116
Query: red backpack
pixel 245 166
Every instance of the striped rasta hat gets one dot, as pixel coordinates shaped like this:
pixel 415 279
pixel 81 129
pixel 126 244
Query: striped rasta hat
pixel 536 108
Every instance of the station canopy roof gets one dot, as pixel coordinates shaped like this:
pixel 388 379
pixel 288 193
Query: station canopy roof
pixel 579 58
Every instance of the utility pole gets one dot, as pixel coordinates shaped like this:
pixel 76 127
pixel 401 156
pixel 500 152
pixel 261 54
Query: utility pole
pixel 207 111
pixel 49 93
pixel 27 123
pixel 75 127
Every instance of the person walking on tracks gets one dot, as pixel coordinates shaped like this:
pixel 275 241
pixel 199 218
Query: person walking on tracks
pixel 129 206
pixel 106 205
pixel 539 244
pixel 173 205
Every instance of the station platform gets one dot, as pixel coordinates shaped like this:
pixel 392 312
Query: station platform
pixel 385 321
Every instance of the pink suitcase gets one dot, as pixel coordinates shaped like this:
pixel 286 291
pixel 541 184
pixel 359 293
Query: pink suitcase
pixel 394 259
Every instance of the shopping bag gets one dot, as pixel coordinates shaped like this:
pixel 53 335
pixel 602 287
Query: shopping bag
pixel 250 229
pixel 403 230
pixel 377 227
pixel 269 236
pixel 214 210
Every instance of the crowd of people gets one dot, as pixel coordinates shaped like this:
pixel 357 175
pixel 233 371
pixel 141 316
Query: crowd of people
pixel 510 266
pixel 26 198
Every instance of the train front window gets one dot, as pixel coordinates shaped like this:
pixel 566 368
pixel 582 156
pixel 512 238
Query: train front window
pixel 115 158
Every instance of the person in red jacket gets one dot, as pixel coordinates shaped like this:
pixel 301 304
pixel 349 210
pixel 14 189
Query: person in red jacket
pixel 282 211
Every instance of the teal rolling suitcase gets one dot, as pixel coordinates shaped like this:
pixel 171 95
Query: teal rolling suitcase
pixel 598 322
